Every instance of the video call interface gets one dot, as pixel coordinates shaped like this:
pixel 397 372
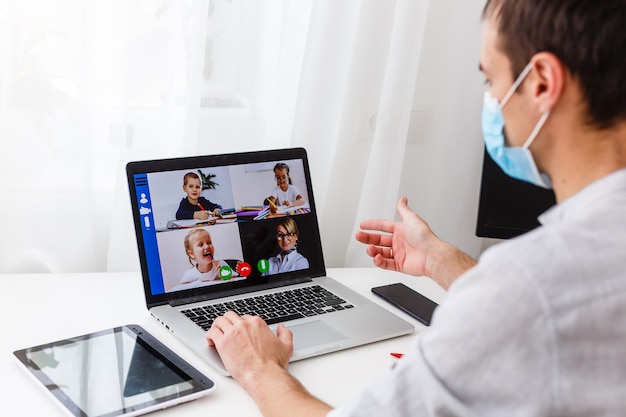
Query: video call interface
pixel 227 226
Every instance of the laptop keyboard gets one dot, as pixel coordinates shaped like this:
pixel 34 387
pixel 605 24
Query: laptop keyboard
pixel 273 308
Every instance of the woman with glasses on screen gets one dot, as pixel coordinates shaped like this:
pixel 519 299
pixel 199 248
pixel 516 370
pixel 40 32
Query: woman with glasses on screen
pixel 288 259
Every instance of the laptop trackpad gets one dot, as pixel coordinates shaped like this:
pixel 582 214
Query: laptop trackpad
pixel 315 333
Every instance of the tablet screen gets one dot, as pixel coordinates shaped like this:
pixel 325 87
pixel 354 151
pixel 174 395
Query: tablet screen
pixel 122 371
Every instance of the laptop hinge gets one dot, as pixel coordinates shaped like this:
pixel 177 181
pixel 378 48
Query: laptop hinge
pixel 238 291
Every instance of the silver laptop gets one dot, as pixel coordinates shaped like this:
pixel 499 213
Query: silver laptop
pixel 240 232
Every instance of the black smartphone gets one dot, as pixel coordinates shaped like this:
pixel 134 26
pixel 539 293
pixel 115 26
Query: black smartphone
pixel 408 300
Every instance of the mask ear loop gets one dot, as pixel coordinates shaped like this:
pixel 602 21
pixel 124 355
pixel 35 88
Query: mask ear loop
pixel 536 130
pixel 516 84
pixel 510 93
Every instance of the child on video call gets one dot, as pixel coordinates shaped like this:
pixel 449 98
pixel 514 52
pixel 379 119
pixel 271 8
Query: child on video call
pixel 200 250
pixel 194 206
pixel 285 193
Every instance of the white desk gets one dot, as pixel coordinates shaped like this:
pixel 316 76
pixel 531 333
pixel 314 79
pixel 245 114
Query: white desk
pixel 37 309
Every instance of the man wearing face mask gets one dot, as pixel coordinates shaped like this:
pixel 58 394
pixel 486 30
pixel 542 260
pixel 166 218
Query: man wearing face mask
pixel 536 327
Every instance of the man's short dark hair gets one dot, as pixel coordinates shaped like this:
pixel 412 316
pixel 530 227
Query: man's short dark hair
pixel 587 36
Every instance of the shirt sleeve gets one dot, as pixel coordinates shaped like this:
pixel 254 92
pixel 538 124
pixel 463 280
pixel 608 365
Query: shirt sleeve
pixel 209 205
pixel 489 349
pixel 300 263
pixel 296 192
pixel 190 275
pixel 411 388
pixel 274 192
pixel 185 211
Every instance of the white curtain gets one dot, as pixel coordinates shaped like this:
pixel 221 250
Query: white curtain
pixel 86 86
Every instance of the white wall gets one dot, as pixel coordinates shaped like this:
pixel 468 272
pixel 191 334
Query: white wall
pixel 441 175
pixel 443 159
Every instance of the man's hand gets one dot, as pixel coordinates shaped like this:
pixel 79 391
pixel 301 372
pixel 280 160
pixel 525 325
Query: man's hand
pixel 257 359
pixel 246 344
pixel 401 246
pixel 411 247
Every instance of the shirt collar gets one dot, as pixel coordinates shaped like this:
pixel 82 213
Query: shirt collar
pixel 580 202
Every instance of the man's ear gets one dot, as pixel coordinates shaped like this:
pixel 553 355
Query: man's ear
pixel 547 80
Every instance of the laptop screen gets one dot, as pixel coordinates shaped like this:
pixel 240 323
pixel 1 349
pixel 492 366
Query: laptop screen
pixel 220 224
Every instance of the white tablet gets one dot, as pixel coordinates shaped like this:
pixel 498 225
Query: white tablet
pixel 122 371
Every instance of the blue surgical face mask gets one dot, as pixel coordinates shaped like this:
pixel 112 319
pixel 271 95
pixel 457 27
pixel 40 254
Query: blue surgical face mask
pixel 516 162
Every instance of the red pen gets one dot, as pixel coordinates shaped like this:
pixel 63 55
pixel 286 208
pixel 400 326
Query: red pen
pixel 201 208
pixel 396 355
